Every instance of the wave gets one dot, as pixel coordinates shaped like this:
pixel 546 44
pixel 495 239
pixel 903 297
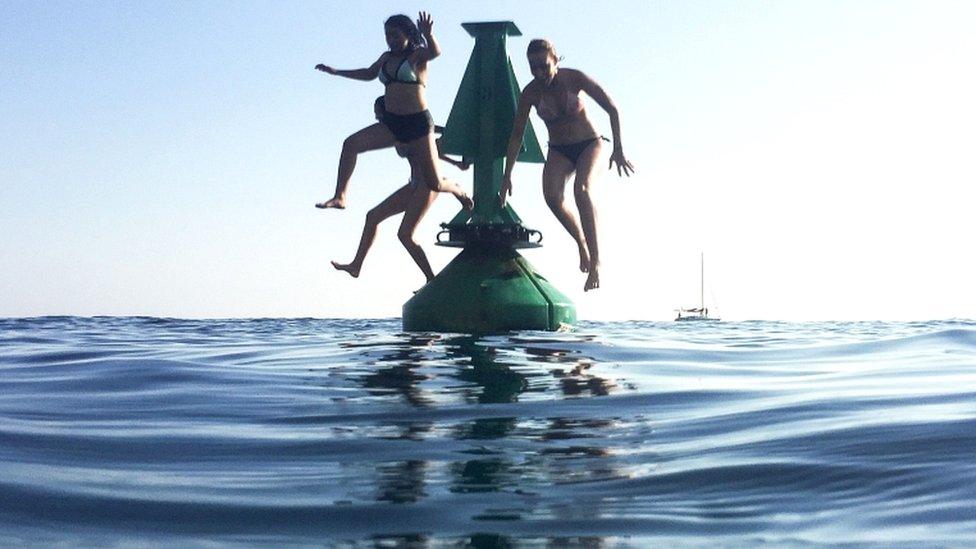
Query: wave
pixel 136 430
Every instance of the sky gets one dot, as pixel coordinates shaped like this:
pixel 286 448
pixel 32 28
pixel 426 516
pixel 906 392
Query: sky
pixel 163 158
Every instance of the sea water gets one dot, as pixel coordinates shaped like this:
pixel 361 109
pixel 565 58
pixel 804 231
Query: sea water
pixel 148 431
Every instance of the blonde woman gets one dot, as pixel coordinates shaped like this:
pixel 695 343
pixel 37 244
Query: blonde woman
pixel 574 146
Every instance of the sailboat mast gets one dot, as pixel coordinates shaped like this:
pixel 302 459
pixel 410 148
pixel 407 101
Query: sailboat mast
pixel 703 282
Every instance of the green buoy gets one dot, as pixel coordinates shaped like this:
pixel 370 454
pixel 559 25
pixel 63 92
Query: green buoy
pixel 489 287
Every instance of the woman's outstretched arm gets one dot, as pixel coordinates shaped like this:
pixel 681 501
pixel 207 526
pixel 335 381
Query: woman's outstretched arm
pixel 601 97
pixel 369 73
pixel 515 144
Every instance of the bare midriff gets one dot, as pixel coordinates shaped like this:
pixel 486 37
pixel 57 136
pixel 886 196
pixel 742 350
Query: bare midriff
pixel 402 98
pixel 571 128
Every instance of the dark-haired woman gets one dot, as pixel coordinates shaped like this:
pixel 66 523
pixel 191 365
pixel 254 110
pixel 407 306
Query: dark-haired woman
pixel 406 120
pixel 574 146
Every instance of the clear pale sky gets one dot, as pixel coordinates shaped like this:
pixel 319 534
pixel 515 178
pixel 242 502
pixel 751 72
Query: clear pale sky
pixel 163 158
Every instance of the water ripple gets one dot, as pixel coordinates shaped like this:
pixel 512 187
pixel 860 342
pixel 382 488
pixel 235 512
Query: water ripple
pixel 295 431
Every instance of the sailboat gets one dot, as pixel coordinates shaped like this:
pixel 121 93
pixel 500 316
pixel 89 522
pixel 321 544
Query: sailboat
pixel 699 313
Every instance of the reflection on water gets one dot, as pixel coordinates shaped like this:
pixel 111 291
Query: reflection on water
pixel 490 379
pixel 509 455
pixel 394 371
pixel 570 368
pixel 401 482
pixel 303 432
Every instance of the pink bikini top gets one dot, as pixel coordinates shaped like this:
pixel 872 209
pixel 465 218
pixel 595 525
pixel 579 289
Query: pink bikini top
pixel 551 111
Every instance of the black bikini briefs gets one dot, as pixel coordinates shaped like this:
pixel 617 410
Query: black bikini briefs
pixel 407 127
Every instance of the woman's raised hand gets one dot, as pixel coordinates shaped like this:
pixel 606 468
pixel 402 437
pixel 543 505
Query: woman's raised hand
pixel 325 68
pixel 624 167
pixel 425 23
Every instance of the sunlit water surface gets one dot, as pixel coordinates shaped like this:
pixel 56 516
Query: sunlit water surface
pixel 336 432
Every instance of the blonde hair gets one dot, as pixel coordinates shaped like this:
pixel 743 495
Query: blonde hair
pixel 539 45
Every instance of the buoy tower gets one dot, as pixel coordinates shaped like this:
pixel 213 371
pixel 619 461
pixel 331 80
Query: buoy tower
pixel 489 287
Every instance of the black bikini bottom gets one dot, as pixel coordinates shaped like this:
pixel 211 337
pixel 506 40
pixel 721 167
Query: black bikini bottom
pixel 407 127
pixel 572 151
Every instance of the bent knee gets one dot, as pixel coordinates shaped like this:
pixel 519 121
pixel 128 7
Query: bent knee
pixel 582 189
pixel 351 145
pixel 554 200
pixel 406 238
pixel 373 217
pixel 433 185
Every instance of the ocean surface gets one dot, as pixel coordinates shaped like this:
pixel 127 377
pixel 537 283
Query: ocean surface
pixel 149 431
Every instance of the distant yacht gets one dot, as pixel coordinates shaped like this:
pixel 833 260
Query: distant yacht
pixel 699 313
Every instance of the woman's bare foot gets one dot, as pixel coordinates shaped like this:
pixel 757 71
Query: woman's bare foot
pixel 337 202
pixel 353 271
pixel 465 201
pixel 593 280
pixel 417 291
pixel 584 259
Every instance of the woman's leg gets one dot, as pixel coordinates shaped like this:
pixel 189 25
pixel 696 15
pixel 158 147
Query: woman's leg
pixel 585 176
pixel 557 170
pixel 369 138
pixel 423 160
pixel 392 205
pixel 417 205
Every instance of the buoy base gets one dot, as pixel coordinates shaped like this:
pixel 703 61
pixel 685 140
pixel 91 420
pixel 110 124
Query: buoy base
pixel 488 290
